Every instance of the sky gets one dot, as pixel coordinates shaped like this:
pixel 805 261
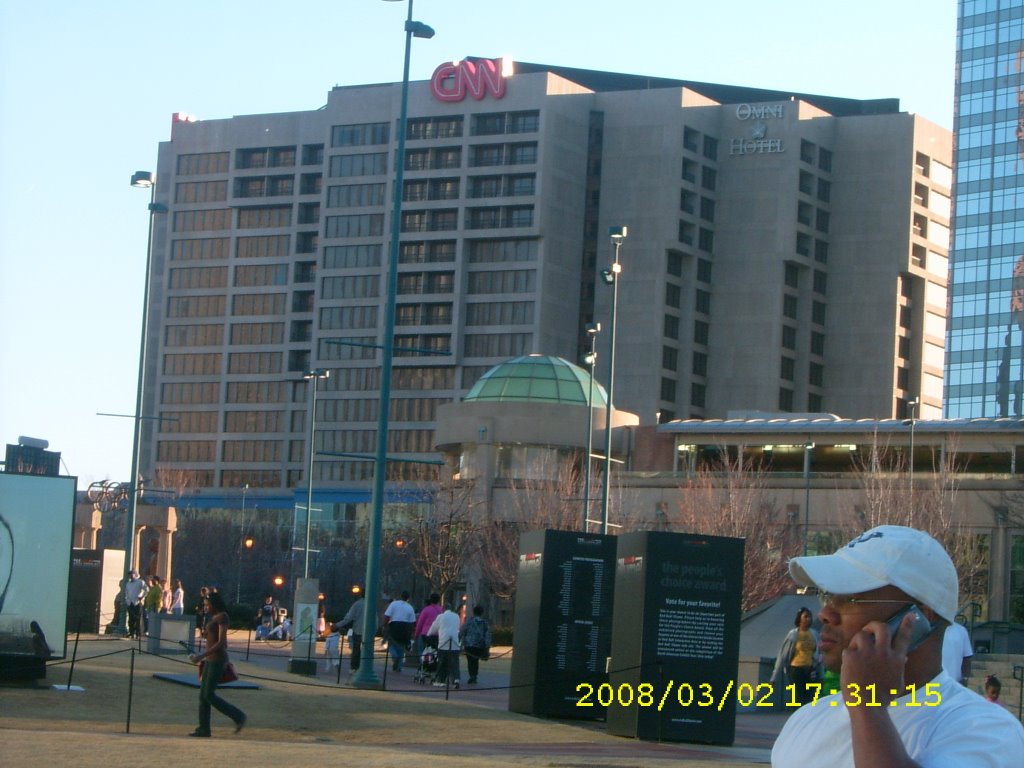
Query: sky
pixel 87 91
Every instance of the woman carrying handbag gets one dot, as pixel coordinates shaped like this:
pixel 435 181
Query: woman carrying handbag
pixel 214 658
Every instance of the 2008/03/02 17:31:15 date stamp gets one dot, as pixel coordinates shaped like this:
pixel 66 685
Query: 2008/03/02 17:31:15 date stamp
pixel 751 695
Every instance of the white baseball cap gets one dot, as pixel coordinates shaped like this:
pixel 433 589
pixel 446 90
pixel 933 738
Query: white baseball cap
pixel 905 558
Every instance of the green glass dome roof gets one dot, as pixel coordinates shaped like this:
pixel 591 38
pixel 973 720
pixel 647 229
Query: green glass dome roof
pixel 536 379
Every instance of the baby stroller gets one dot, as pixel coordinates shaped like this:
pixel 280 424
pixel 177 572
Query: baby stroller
pixel 428 666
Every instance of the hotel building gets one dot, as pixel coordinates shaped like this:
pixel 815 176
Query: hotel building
pixel 785 252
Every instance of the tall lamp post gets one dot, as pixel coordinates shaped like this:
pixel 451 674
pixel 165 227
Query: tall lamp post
pixel 140 180
pixel 610 277
pixel 912 406
pixel 366 676
pixel 314 375
pixel 591 360
pixel 808 447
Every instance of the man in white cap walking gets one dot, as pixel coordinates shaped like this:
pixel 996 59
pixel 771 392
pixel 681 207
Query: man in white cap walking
pixel 895 706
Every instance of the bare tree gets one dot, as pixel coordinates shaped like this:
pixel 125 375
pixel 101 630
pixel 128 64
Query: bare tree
pixel 930 506
pixel 442 539
pixel 731 498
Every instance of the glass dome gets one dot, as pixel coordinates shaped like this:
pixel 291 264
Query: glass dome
pixel 536 379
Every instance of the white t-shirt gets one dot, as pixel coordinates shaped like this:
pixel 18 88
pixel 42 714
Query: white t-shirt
pixel 963 730
pixel 399 610
pixel 956 646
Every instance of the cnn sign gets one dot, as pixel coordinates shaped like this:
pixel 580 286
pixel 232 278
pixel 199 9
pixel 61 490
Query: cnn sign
pixel 453 81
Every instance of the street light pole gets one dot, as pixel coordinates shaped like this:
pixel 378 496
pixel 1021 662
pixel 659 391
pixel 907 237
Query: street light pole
pixel 912 407
pixel 591 360
pixel 808 447
pixel 366 676
pixel 314 375
pixel 611 277
pixel 140 180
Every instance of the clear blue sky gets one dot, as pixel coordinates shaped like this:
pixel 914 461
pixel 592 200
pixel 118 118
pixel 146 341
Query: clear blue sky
pixel 87 90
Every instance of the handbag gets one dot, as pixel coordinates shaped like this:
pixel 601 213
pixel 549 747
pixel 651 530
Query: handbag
pixel 227 675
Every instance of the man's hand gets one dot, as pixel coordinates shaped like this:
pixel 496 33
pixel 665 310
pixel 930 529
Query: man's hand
pixel 873 657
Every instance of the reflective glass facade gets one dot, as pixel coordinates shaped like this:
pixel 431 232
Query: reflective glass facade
pixel 985 364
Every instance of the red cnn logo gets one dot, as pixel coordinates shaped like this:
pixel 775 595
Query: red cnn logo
pixel 453 81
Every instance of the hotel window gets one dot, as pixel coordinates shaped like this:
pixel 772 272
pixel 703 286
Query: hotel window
pixel 486 154
pixel 282 157
pixel 690 137
pixel 804 213
pixel 206 364
pixel 818 343
pixel 785 399
pixel 202 221
pixel 816 375
pixel 491 251
pixel 265 217
pixel 818 312
pixel 789 306
pixel 200 191
pixel 305 272
pixel 708 178
pixel 807 151
pixel 520 185
pixel 703 302
pixel 252 450
pixel 307 242
pixel 669 358
pixel 449 157
pixel 444 189
pixel 199 249
pixel 791 275
pixel 825 160
pixel 707 209
pixel 668 390
pixel 488 124
pixel 256 333
pixel 806 183
pixel 352 256
pixel 281 185
pixel 821 220
pixel 519 216
pixel 443 220
pixel 417 159
pixel 814 402
pixel 703 271
pixel 357 225
pixel 522 154
pixel 686 230
pixel 193 335
pixel 359 195
pixel 903 378
pixel 499 313
pixel 671 327
pixel 203 163
pixel 195 306
pixel 788 367
pixel 372 164
pixel 700 364
pixel 254 362
pixel 701 331
pixel 484 218
pixel 359 135
pixel 821 251
pixel 674 264
pixel 788 337
pixel 190 392
pixel 673 295
pixel 185 450
pixel 351 287
pixel 687 201
pixel 706 240
pixel 903 347
pixel 803 243
pixel 312 154
pixel 502 281
pixel 258 304
pixel 497 344
pixel 252 421
pixel 698 394
pixel 255 392
pixel 310 183
pixel 820 282
pixel 524 122
pixel 824 190
pixel 309 213
pixel 906 317
pixel 188 422
pixel 485 186
pixel 187 278
pixel 710 148
pixel 690 170
pixel 357 317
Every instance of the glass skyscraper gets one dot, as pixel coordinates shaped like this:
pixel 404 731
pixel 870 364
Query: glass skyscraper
pixel 985 366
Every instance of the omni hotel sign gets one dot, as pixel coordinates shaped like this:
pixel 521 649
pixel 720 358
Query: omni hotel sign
pixel 453 81
pixel 757 142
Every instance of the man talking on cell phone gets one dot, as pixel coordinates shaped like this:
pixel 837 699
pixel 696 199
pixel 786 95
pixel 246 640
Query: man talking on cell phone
pixel 895 706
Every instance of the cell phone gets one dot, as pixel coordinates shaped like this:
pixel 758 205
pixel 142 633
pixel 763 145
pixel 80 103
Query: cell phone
pixel 919 630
